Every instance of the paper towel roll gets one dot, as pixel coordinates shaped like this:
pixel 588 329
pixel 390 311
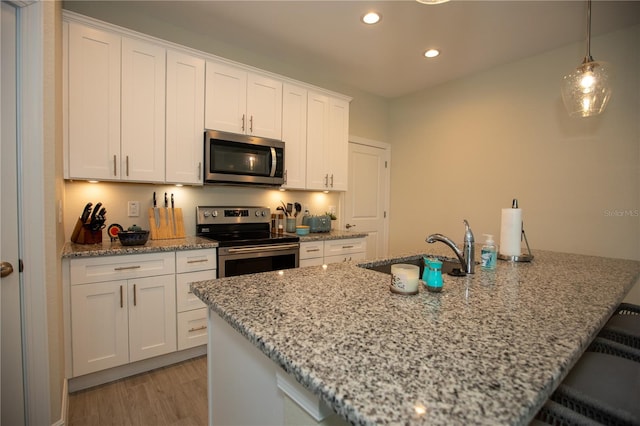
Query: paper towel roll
pixel 510 232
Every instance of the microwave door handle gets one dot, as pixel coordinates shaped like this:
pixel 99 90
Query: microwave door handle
pixel 274 162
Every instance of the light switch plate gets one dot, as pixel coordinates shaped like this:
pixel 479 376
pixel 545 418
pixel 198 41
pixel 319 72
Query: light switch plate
pixel 133 208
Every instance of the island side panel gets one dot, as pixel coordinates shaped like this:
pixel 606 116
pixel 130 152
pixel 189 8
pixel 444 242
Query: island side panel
pixel 242 384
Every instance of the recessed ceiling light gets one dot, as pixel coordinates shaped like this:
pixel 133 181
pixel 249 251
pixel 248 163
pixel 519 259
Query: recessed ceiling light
pixel 371 18
pixel 432 1
pixel 431 53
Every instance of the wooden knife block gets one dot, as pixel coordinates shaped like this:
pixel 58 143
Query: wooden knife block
pixel 169 224
pixel 83 235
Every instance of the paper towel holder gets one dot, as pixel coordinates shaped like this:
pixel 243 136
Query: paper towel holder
pixel 524 257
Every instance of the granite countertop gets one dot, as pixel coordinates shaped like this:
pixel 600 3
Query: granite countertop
pixel 108 248
pixel 332 235
pixel 489 349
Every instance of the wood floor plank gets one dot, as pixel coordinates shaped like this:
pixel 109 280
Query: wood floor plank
pixel 174 395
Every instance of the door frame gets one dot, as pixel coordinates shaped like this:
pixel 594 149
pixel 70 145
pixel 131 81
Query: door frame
pixel 31 208
pixel 386 199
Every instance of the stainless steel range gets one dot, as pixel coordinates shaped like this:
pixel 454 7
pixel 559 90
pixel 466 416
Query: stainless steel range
pixel 246 244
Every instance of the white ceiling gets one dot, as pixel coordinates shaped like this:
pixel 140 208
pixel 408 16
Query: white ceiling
pixel 386 59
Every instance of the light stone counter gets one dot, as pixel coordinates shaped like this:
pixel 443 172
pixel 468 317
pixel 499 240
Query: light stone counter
pixel 487 350
pixel 108 248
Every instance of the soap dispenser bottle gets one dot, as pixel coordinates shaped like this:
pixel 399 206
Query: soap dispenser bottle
pixel 489 253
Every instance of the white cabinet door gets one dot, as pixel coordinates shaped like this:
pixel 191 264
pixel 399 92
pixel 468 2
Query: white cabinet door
pixel 225 98
pixel 94 104
pixel 185 118
pixel 294 135
pixel 264 106
pixel 338 144
pixel 99 326
pixel 152 317
pixel 327 143
pixel 143 111
pixel 317 135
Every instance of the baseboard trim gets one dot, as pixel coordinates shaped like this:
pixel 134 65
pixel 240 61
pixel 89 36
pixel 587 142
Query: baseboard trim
pixel 64 406
pixel 120 372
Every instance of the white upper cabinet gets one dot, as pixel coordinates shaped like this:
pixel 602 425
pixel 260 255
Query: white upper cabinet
pixel 94 103
pixel 238 101
pixel 327 142
pixel 294 135
pixel 185 118
pixel 143 111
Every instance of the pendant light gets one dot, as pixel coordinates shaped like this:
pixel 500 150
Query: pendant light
pixel 587 90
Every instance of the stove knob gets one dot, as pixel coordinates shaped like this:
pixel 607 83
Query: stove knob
pixel 214 213
pixel 264 213
pixel 206 214
pixel 257 213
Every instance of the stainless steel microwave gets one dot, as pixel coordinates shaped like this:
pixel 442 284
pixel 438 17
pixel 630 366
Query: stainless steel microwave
pixel 242 159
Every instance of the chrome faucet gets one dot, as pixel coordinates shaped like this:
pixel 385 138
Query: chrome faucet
pixel 467 255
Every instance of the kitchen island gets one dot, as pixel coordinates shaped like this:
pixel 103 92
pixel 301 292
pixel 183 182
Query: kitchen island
pixel 489 349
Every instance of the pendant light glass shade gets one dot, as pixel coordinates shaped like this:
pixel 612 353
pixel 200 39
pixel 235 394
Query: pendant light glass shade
pixel 586 91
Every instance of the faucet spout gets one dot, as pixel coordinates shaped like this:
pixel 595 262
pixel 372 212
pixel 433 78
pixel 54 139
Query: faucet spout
pixel 466 255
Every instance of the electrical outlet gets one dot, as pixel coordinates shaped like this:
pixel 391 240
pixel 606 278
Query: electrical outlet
pixel 133 208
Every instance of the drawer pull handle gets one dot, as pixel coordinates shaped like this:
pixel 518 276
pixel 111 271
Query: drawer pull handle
pixel 121 298
pixel 134 296
pixel 197 261
pixel 124 268
pixel 347 247
pixel 204 327
pixel 312 250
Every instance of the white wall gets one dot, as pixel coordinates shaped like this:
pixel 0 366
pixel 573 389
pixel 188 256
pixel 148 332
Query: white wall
pixel 466 148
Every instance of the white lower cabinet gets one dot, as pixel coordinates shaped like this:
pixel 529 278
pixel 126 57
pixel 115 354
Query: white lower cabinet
pixel 130 308
pixel 122 321
pixel 314 253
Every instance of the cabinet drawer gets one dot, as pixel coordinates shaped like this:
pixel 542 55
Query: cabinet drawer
pixel 311 249
pixel 346 246
pixel 192 328
pixel 186 300
pixel 315 261
pixel 195 260
pixel 344 257
pixel 110 268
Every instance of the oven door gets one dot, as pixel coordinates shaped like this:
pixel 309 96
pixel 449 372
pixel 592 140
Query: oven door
pixel 233 261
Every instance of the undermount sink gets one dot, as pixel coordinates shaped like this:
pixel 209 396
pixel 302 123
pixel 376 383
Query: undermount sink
pixel 449 265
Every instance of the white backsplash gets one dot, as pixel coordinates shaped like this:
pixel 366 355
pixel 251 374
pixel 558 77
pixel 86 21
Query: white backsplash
pixel 114 197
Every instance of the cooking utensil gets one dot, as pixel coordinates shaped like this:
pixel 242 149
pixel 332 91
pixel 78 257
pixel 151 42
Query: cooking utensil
pixel 95 212
pixel 298 208
pixel 289 209
pixel 156 212
pixel 173 215
pixel 284 208
pixel 85 213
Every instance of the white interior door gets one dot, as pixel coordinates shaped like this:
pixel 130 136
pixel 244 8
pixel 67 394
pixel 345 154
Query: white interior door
pixel 367 197
pixel 11 360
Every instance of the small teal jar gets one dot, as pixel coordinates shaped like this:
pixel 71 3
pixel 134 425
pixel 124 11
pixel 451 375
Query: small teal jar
pixel 432 274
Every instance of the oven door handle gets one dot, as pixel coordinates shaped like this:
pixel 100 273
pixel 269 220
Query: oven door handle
pixel 257 249
pixel 274 162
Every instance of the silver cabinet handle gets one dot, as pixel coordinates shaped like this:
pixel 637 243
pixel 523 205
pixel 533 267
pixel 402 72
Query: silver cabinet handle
pixel 326 180
pixel 349 226
pixel 251 124
pixel 127 161
pixel 197 261
pixel 311 250
pixel 115 166
pixel 204 327
pixel 347 247
pixel 243 122
pixel 121 298
pixel 134 295
pixel 332 180
pixel 124 268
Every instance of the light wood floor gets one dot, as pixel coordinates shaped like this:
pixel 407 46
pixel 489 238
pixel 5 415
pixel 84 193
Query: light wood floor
pixel 174 395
